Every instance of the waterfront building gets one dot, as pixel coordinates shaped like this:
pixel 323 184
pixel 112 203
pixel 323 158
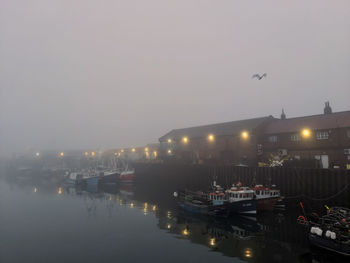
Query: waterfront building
pixel 232 142
pixel 322 139
pixel 318 141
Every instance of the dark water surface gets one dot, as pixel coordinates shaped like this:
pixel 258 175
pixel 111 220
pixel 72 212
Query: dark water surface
pixel 48 222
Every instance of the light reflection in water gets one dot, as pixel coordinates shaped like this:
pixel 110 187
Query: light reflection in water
pixel 212 242
pixel 35 189
pixel 185 232
pixel 248 253
pixel 59 191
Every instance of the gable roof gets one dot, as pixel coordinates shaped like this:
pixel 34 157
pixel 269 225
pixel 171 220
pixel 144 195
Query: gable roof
pixel 314 122
pixel 218 129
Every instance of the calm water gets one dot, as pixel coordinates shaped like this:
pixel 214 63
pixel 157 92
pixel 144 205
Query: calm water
pixel 46 222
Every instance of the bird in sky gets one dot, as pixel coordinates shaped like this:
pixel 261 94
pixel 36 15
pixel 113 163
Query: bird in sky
pixel 258 76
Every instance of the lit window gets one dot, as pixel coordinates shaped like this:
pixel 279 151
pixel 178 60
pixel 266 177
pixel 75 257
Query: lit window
pixel 295 137
pixel 322 135
pixel 272 138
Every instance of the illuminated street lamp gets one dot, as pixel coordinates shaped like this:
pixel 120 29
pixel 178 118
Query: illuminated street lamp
pixel 59 191
pixel 92 154
pixel 61 154
pixel 122 150
pixel 133 150
pixel 86 153
pixel 244 135
pixel 155 154
pixel 169 140
pixel 211 137
pixel 306 133
pixel 169 151
pixel 185 140
pixel 37 154
pixel 146 149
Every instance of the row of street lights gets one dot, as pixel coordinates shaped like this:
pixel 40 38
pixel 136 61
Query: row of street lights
pixel 305 133
pixel 210 138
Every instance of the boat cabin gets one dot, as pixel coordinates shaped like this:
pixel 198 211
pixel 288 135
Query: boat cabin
pixel 217 198
pixel 262 192
pixel 235 194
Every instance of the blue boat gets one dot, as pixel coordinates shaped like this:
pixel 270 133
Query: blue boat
pixel 74 178
pixel 91 180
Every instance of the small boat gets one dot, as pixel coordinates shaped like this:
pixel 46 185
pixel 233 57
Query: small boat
pixel 202 203
pixel 109 177
pixel 241 200
pixel 236 200
pixel 331 231
pixel 268 198
pixel 74 178
pixel 127 175
pixel 91 177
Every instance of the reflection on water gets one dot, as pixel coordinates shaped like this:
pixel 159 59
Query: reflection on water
pixel 170 235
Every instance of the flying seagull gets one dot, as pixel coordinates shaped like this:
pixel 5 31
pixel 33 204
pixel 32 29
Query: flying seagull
pixel 258 76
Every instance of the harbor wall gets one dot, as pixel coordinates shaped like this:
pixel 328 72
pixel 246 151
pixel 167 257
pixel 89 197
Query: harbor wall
pixel 314 187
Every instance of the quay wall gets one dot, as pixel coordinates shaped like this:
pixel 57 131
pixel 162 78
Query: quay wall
pixel 314 187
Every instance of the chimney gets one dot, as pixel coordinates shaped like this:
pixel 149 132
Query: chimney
pixel 283 115
pixel 327 108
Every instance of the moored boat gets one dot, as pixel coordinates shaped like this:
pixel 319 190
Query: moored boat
pixel 331 231
pixel 236 200
pixel 127 176
pixel 91 177
pixel 74 178
pixel 109 177
pixel 241 200
pixel 212 203
pixel 267 198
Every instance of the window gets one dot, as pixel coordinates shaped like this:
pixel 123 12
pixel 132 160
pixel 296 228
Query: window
pixel 295 137
pixel 348 133
pixel 272 138
pixel 322 135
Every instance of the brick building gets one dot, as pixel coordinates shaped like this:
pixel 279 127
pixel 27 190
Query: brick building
pixel 324 138
pixel 229 142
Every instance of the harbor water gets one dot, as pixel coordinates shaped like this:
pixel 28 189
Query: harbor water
pixel 44 221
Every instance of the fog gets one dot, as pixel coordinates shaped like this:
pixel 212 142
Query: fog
pixel 103 74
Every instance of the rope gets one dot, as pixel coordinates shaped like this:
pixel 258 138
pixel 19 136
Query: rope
pixel 319 199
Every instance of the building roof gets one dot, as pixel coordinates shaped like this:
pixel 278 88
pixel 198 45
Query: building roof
pixel 314 122
pixel 218 129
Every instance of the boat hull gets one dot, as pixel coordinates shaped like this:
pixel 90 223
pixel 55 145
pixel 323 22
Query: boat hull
pixel 127 178
pixel 329 244
pixel 267 204
pixel 91 180
pixel 244 207
pixel 112 178
pixel 219 210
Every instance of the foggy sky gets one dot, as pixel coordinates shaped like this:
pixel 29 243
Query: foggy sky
pixel 103 74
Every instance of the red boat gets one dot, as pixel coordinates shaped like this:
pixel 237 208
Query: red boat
pixel 267 197
pixel 127 176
